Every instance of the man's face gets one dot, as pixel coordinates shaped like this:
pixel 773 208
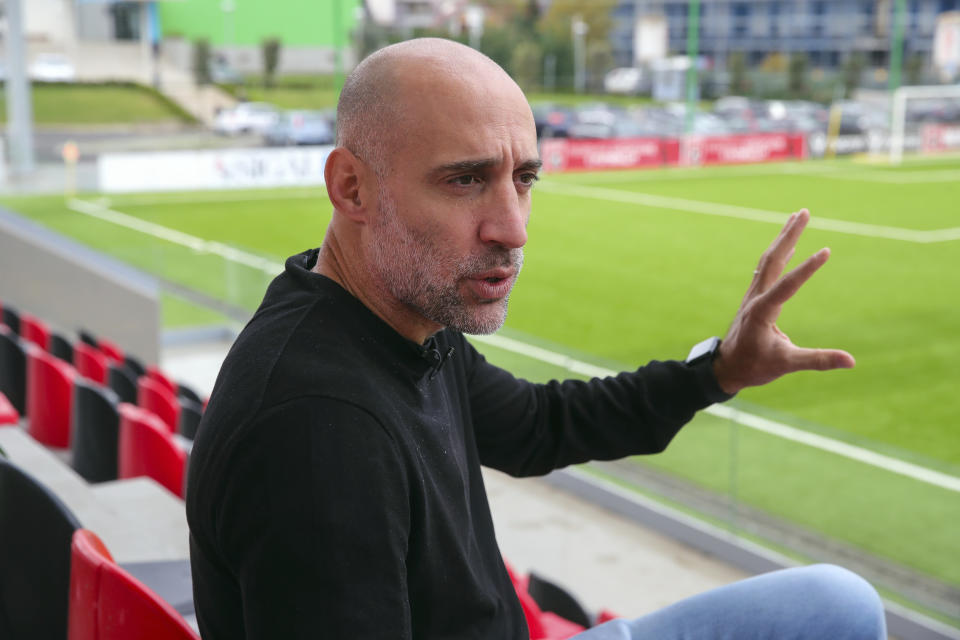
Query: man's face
pixel 426 273
pixel 453 208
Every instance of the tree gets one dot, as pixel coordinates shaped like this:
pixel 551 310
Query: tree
pixel 201 61
pixel 737 63
pixel 599 62
pixel 596 14
pixel 913 69
pixel 526 64
pixel 797 79
pixel 852 72
pixel 270 50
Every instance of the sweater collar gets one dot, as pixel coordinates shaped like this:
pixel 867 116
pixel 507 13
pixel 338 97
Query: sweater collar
pixel 417 359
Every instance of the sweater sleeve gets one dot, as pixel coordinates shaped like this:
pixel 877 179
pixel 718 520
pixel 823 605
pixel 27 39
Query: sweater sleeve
pixel 530 429
pixel 315 527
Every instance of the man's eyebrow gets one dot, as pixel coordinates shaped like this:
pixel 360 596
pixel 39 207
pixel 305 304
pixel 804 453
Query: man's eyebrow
pixel 483 164
pixel 531 165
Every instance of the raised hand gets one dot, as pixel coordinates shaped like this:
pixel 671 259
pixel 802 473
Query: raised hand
pixel 755 351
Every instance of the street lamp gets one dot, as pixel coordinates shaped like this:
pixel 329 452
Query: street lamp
pixel 474 16
pixel 579 29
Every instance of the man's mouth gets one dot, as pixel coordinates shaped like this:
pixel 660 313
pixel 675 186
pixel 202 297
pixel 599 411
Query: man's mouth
pixel 493 284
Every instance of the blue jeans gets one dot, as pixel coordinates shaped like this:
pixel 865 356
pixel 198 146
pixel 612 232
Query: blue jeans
pixel 813 603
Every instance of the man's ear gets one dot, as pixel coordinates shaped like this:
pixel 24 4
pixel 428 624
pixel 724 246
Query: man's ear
pixel 345 175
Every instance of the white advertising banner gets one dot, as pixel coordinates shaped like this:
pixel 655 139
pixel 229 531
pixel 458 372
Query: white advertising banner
pixel 212 169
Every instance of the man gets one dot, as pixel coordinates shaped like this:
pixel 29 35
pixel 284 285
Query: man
pixel 335 487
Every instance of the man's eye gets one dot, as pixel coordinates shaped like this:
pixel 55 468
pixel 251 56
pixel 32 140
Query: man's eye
pixel 528 178
pixel 464 181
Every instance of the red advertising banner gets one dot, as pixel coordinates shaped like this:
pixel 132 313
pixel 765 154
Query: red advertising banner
pixel 741 149
pixel 940 137
pixel 616 153
pixel 560 154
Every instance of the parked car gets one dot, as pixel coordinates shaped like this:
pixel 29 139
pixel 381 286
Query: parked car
pixel 553 121
pixel 51 67
pixel 246 117
pixel 627 81
pixel 222 73
pixel 300 127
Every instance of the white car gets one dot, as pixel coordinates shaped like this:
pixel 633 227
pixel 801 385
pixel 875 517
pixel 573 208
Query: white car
pixel 52 67
pixel 246 117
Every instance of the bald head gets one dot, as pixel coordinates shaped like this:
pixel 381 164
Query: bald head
pixel 375 112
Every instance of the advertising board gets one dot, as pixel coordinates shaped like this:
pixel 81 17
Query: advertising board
pixel 616 153
pixel 741 149
pixel 211 169
pixel 940 137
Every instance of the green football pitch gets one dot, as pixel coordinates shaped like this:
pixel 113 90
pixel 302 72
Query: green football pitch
pixel 624 267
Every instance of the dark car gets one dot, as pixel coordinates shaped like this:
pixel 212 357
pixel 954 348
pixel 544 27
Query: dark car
pixel 553 121
pixel 300 127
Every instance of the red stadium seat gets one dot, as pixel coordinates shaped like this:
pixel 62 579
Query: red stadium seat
pixel 8 414
pixel 107 603
pixel 35 330
pixel 109 349
pixel 49 397
pixel 155 374
pixel 543 625
pixel 90 362
pixel 155 397
pixel 147 448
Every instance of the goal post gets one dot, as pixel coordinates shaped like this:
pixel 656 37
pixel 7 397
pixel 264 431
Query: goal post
pixel 898 116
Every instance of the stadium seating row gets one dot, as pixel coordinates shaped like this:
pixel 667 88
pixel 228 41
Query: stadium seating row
pixel 59 580
pixel 118 417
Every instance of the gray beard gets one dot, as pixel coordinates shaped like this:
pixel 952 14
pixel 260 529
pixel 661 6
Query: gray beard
pixel 411 269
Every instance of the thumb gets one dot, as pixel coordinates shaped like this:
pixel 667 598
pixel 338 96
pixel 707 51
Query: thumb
pixel 820 360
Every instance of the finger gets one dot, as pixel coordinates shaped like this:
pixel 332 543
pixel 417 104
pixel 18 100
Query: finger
pixel 756 284
pixel 775 259
pixel 820 360
pixel 789 284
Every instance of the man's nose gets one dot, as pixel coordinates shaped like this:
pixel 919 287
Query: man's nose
pixel 505 219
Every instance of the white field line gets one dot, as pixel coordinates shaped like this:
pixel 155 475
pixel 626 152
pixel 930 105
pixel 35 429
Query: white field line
pixel 172 235
pixel 747 213
pixel 771 427
pixel 890 177
pixel 544 355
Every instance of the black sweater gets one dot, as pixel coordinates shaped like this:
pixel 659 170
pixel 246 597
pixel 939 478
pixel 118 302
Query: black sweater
pixel 335 487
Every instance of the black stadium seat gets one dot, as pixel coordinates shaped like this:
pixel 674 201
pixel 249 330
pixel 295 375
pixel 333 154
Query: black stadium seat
pixel 13 369
pixel 60 347
pixel 183 391
pixel 190 414
pixel 555 599
pixel 87 337
pixel 35 533
pixel 134 365
pixel 123 382
pixel 11 318
pixel 96 424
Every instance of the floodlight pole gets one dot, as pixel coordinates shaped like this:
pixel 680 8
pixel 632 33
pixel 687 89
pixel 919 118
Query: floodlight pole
pixel 19 108
pixel 693 52
pixel 896 44
pixel 579 30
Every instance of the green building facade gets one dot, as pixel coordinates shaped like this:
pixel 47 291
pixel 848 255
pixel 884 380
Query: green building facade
pixel 241 23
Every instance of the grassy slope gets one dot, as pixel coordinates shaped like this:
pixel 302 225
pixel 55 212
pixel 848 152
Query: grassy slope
pixel 78 104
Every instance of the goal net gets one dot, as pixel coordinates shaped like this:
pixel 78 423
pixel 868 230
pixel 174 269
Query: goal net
pixel 925 120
